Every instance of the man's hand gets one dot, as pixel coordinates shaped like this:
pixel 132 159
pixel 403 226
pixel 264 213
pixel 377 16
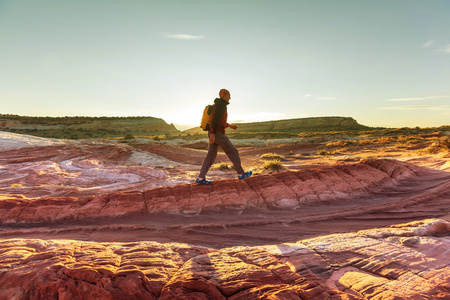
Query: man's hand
pixel 233 127
pixel 212 138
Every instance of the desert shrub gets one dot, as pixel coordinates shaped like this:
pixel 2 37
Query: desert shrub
pixel 271 156
pixel 428 150
pixel 323 152
pixel 273 165
pixel 445 142
pixel 294 155
pixel 341 143
pixel 194 136
pixel 261 135
pixel 364 142
pixel 441 145
pixel 410 140
pixel 383 140
pixel 222 166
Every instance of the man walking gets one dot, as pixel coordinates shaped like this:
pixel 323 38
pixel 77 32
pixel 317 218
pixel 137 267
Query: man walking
pixel 217 138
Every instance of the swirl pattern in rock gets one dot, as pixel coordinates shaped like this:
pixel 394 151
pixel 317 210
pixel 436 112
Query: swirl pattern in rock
pixel 290 189
pixel 407 261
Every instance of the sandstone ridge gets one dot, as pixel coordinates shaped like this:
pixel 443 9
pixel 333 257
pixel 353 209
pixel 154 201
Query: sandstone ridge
pixel 407 261
pixel 291 189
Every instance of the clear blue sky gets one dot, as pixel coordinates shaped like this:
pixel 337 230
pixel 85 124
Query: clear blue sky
pixel 384 63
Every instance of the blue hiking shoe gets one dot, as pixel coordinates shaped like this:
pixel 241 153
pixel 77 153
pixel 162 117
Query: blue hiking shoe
pixel 245 175
pixel 203 181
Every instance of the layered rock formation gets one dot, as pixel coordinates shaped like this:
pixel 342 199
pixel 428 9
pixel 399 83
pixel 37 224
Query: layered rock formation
pixel 281 190
pixel 77 170
pixel 408 261
pixel 317 124
pixel 106 221
pixel 304 125
pixel 58 126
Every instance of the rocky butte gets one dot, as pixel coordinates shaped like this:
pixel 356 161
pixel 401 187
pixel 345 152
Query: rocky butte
pixel 85 127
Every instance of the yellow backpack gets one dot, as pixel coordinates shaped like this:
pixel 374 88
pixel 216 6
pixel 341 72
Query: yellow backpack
pixel 205 124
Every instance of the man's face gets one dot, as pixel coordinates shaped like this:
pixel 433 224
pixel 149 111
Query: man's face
pixel 226 97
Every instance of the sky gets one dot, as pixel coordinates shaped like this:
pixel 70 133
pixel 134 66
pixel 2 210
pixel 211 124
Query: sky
pixel 384 63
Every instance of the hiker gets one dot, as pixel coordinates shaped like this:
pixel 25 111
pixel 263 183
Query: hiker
pixel 217 138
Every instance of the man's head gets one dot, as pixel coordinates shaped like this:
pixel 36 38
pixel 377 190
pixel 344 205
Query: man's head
pixel 224 94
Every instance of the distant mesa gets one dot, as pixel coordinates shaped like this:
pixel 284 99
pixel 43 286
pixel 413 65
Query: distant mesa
pixel 85 127
pixel 104 127
pixel 316 124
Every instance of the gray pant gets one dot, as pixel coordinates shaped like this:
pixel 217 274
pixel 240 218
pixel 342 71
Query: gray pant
pixel 223 142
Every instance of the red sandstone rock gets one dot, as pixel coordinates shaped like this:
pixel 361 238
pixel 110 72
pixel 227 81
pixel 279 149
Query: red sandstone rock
pixel 123 203
pixel 281 190
pixel 58 171
pixel 161 200
pixel 63 186
pixel 407 261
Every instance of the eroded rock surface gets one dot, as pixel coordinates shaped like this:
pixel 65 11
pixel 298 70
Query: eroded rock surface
pixel 282 190
pixel 407 261
pixel 77 170
pixel 111 221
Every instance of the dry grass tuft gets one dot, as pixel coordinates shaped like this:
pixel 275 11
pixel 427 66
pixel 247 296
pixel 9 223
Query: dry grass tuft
pixel 294 155
pixel 403 140
pixel 323 152
pixel 271 156
pixel 273 165
pixel 222 166
pixel 441 145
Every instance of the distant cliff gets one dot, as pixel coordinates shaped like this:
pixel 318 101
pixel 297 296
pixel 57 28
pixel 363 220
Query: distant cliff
pixel 304 125
pixel 85 127
pixel 317 124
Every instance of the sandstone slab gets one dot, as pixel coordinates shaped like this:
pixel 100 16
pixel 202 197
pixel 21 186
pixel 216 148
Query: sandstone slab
pixel 406 261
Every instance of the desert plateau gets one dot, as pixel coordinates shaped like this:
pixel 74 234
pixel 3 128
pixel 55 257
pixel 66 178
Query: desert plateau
pixel 349 214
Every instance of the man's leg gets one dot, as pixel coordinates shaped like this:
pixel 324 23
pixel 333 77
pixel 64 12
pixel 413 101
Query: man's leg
pixel 209 160
pixel 224 142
